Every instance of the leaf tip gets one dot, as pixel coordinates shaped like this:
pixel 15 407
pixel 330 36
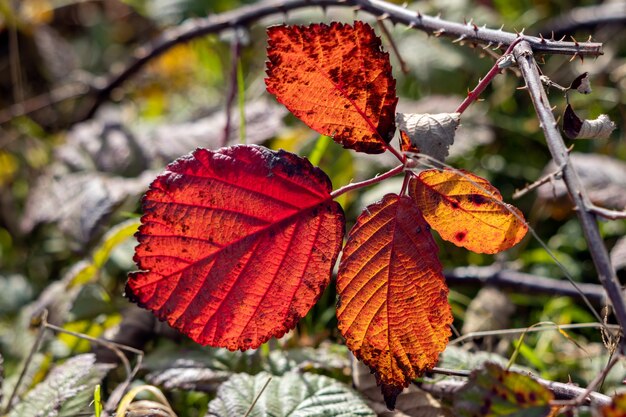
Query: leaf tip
pixel 390 394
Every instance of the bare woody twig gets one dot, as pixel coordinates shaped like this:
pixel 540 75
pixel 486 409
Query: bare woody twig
pixel 450 388
pixel 523 282
pixel 548 178
pixel 606 274
pixel 607 213
pixel 235 51
pixel 245 16
pixel 538 327
pixel 610 12
pixel 58 95
pixel 598 380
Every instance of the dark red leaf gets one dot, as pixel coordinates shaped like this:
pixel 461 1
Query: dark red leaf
pixel 337 80
pixel 236 245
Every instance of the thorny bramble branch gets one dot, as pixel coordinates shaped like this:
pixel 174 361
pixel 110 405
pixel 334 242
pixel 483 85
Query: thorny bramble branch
pixel 396 14
pixel 245 16
pixel 522 282
pixel 606 274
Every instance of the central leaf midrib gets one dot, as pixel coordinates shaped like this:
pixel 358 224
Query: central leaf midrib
pixel 265 229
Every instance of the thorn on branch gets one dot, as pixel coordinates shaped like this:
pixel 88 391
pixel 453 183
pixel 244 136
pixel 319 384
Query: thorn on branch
pixel 439 32
pixel 575 42
pixel 141 53
pixel 487 46
pixel 460 39
pixel 475 28
pixel 382 17
pixel 543 40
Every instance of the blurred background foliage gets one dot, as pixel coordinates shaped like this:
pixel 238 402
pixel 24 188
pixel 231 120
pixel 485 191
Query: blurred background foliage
pixel 69 192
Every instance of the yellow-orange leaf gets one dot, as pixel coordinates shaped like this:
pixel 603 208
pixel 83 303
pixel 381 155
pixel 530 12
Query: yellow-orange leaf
pixel 467 210
pixel 393 308
pixel 617 408
pixel 337 80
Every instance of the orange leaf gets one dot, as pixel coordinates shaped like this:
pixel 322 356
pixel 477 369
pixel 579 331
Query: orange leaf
pixel 405 143
pixel 393 308
pixel 337 80
pixel 617 408
pixel 236 245
pixel 467 210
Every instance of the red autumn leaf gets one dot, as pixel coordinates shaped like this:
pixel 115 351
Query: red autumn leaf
pixel 405 143
pixel 337 80
pixel 467 210
pixel 236 245
pixel 393 308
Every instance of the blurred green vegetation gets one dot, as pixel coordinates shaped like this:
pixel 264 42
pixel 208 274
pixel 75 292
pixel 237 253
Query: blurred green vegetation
pixel 81 282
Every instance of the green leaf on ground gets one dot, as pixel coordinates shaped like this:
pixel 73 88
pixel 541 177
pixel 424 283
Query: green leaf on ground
pixel 67 390
pixel 493 391
pixel 293 394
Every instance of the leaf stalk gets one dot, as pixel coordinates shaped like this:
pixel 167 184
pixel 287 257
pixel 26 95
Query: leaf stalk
pixel 356 185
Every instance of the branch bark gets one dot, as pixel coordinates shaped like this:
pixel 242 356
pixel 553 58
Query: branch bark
pixel 587 17
pixel 246 16
pixel 606 274
pixel 449 388
pixel 524 283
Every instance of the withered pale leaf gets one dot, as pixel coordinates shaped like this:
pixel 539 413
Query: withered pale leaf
pixel 577 128
pixel 430 134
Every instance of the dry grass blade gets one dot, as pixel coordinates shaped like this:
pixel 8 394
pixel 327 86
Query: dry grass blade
pixel 258 396
pixel 128 407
